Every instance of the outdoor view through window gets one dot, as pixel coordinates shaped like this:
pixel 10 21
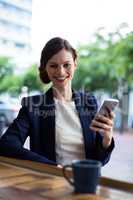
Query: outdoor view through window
pixel 101 32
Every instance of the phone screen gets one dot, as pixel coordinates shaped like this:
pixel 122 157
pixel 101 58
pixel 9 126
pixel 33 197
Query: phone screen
pixel 108 106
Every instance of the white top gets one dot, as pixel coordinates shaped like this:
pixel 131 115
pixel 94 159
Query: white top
pixel 69 137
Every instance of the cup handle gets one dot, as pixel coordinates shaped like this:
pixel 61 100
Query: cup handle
pixel 65 175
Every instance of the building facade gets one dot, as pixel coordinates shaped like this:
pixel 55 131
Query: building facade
pixel 15 30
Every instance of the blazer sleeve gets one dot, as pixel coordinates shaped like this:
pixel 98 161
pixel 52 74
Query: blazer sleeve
pixel 11 143
pixel 100 153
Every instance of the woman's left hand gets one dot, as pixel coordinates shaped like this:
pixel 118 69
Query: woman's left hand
pixel 104 125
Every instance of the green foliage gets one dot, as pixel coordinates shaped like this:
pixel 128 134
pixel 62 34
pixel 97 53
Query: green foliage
pixel 11 84
pixel 106 62
pixel 6 74
pixel 6 67
pixel 31 79
pixel 123 52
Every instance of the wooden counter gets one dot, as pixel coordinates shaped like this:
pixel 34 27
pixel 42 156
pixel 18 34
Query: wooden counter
pixel 27 180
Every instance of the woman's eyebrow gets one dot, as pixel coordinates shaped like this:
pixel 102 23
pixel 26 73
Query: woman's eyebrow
pixel 54 62
pixel 67 61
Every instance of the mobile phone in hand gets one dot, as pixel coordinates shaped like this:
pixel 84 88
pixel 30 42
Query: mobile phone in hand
pixel 107 106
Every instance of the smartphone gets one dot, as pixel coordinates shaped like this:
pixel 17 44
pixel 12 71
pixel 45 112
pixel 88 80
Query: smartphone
pixel 107 106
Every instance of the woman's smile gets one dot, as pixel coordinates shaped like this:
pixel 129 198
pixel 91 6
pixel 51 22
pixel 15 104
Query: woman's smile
pixel 61 78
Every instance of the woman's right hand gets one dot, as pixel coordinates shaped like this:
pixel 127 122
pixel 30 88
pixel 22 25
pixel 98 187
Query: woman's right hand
pixel 59 166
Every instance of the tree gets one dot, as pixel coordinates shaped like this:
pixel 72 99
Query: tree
pixel 32 81
pixel 11 84
pixel 6 73
pixel 107 63
pixel 6 67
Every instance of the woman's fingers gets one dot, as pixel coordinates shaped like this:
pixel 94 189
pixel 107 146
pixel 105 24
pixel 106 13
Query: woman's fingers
pixel 112 115
pixel 104 118
pixel 101 121
pixel 103 124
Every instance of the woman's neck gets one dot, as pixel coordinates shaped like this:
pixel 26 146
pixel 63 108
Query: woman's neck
pixel 63 93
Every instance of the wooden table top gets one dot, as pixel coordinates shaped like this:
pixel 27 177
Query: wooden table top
pixel 20 180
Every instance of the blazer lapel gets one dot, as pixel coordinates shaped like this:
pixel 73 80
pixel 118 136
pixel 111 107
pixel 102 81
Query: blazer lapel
pixel 85 119
pixel 47 125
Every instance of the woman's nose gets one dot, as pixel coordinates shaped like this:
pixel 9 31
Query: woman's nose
pixel 60 69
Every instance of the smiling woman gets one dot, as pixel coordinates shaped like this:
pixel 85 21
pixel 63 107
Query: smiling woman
pixel 58 122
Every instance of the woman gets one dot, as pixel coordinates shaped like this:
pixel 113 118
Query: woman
pixel 60 123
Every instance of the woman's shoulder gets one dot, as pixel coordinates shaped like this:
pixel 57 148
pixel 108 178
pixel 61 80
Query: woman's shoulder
pixel 33 100
pixel 89 96
pixel 43 98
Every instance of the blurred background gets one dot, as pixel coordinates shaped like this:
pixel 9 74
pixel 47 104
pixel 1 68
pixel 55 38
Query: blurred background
pixel 101 31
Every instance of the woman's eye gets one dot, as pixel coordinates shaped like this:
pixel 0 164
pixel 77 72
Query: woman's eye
pixel 53 66
pixel 67 65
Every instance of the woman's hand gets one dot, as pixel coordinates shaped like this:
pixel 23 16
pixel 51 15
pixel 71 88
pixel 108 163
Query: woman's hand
pixel 104 125
pixel 59 166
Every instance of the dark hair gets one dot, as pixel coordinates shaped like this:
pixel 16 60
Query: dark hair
pixel 52 47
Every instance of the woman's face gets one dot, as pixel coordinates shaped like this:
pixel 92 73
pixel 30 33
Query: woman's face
pixel 60 68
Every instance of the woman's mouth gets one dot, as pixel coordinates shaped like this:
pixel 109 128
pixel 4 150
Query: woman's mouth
pixel 61 79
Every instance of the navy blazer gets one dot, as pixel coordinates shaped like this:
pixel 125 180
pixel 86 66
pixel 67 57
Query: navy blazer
pixel 36 119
